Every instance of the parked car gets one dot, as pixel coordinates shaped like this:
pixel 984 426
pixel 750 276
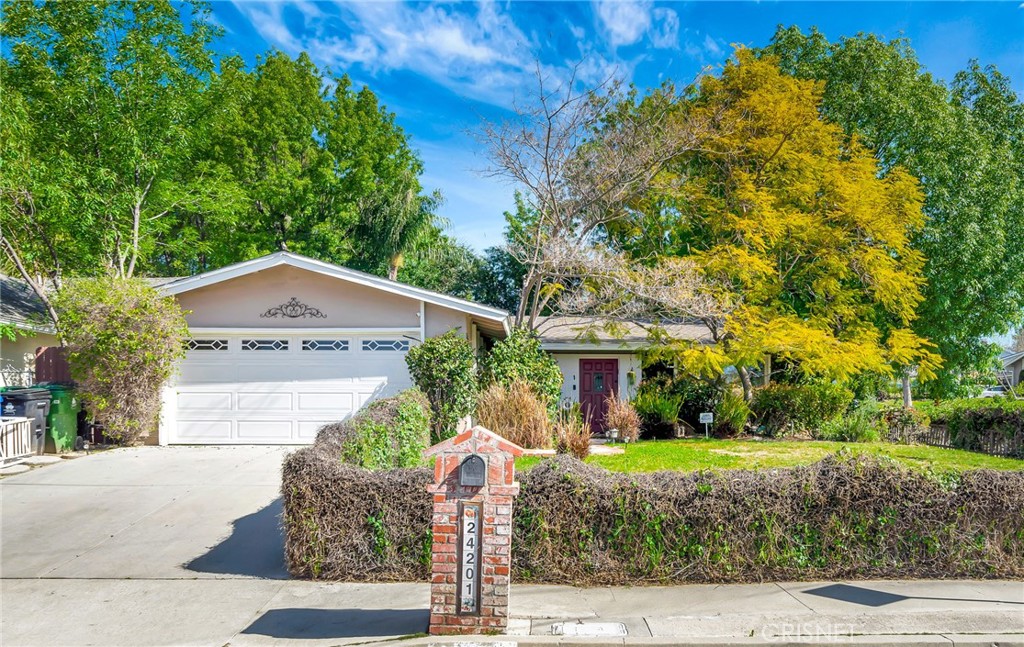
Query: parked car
pixel 993 391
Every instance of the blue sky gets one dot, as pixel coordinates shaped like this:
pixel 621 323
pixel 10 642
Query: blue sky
pixel 443 67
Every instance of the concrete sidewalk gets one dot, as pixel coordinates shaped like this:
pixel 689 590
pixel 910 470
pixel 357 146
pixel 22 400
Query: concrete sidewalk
pixel 245 612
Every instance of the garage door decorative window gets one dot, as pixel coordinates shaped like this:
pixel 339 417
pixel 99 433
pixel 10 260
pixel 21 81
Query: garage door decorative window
pixel 324 344
pixel 385 344
pixel 207 344
pixel 264 344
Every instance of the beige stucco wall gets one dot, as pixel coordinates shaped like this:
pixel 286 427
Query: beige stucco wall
pixel 18 358
pixel 1015 371
pixel 569 364
pixel 441 320
pixel 239 302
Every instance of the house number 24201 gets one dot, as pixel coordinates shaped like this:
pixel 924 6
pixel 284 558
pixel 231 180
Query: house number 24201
pixel 469 559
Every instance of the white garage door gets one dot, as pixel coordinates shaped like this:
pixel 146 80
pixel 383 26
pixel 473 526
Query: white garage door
pixel 279 389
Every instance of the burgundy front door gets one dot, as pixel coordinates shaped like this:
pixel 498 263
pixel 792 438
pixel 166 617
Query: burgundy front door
pixel 598 378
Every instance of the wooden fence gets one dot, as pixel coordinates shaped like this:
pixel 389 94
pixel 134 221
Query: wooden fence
pixel 15 439
pixel 52 365
pixel 995 444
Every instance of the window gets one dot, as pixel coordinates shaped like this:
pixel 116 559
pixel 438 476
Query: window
pixel 264 344
pixel 324 344
pixel 207 344
pixel 385 344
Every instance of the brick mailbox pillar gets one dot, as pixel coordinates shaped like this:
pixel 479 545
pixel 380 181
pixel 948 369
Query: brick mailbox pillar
pixel 474 486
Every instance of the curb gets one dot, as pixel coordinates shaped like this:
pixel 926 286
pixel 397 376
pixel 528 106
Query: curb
pixel 917 640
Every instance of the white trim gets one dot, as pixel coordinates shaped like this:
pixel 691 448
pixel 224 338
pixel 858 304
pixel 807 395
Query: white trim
pixel 168 412
pixel 38 330
pixel 423 322
pixel 328 269
pixel 584 347
pixel 198 330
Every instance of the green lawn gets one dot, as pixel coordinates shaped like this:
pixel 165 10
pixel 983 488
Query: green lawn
pixel 699 453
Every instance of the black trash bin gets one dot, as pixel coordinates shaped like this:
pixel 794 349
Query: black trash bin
pixel 30 403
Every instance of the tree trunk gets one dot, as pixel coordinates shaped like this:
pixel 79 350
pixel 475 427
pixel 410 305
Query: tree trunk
pixel 908 403
pixel 394 264
pixel 767 378
pixel 748 388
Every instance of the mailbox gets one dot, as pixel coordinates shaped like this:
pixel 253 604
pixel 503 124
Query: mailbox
pixel 473 472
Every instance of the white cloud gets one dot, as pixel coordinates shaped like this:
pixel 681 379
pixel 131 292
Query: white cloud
pixel 711 46
pixel 665 28
pixel 706 49
pixel 473 50
pixel 625 21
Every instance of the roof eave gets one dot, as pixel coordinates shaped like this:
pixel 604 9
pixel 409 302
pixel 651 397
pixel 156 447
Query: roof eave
pixel 302 262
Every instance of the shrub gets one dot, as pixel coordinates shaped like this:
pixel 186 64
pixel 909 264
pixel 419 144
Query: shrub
pixel 444 369
pixel 387 433
pixel 731 415
pixel 123 342
pixel 861 425
pixel 941 412
pixel 572 433
pixel 658 411
pixel 622 416
pixel 992 429
pixel 783 409
pixel 904 425
pixel 520 357
pixel 695 396
pixel 515 413
pixel 873 386
pixel 845 517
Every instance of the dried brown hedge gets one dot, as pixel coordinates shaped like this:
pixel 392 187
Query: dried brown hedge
pixel 344 522
pixel 578 524
pixel 841 517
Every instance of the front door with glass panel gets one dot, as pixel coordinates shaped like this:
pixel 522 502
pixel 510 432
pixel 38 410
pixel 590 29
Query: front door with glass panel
pixel 598 378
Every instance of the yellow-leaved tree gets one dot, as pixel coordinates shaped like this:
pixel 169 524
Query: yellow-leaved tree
pixel 801 244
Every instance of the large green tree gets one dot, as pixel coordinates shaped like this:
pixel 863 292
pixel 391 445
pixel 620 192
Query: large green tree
pixel 100 99
pixel 964 142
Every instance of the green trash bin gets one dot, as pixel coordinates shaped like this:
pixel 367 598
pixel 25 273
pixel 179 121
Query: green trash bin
pixel 62 420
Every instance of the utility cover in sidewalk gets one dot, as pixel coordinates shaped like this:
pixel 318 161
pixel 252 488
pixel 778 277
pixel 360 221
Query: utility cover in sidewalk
pixel 589 629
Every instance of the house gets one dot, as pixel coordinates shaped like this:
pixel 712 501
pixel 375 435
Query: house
pixel 1013 368
pixel 23 314
pixel 283 344
pixel 595 361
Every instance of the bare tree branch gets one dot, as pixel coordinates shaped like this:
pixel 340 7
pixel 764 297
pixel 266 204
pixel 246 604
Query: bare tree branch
pixel 580 157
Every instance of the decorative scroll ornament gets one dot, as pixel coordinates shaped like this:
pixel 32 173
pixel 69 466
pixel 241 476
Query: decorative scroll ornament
pixel 294 309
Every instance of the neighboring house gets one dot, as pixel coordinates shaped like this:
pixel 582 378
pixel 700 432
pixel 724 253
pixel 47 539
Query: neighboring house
pixel 21 309
pixel 594 361
pixel 284 344
pixel 1013 368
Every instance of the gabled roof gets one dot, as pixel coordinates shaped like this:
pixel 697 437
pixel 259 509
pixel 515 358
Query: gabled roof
pixel 1009 357
pixel 577 333
pixel 290 259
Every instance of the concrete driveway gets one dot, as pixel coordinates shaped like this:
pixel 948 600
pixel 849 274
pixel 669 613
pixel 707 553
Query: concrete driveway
pixel 171 546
